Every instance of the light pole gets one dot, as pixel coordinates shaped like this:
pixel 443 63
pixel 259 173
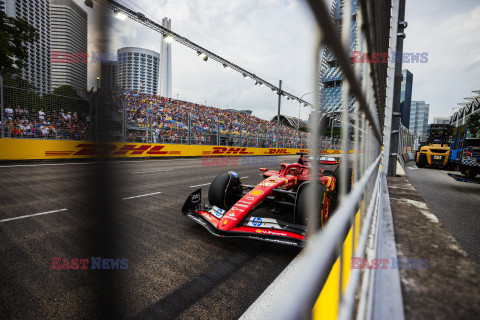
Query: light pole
pixel 98 79
pixel 278 113
pixel 299 105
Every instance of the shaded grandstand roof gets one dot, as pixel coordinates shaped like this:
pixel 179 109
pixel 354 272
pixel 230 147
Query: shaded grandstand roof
pixel 290 121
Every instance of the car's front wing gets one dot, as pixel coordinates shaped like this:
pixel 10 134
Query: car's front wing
pixel 255 228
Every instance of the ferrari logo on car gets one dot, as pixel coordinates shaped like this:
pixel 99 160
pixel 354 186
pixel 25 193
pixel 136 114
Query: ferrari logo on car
pixel 256 192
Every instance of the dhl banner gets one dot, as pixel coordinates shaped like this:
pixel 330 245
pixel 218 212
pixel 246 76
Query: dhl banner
pixel 31 149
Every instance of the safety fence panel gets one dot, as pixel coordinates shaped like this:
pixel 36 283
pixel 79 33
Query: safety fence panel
pixel 359 92
pixel 31 114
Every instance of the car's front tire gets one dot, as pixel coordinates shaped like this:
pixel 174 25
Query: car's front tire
pixel 321 214
pixel 223 189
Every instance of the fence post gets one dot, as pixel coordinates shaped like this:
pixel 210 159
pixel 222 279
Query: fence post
pixel 189 131
pixel 258 135
pixel 124 121
pixel 1 102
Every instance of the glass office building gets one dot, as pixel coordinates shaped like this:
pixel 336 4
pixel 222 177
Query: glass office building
pixel 419 112
pixel 332 76
pixel 406 97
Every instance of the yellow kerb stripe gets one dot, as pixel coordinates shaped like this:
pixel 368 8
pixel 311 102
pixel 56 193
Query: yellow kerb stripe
pixel 326 306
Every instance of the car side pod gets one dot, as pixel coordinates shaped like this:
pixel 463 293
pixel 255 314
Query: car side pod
pixel 193 202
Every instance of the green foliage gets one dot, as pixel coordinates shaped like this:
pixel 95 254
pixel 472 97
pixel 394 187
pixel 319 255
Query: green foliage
pixel 474 124
pixel 14 35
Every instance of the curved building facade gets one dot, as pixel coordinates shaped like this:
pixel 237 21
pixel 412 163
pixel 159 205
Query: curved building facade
pixel 138 70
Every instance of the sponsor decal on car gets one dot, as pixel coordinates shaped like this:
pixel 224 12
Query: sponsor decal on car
pixel 269 183
pixel 257 221
pixel 217 212
pixel 270 232
pixel 256 192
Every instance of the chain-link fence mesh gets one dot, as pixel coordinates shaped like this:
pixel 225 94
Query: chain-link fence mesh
pixel 70 115
pixel 26 113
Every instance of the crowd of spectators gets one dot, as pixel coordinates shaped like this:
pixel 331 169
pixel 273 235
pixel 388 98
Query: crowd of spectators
pixel 169 121
pixel 25 122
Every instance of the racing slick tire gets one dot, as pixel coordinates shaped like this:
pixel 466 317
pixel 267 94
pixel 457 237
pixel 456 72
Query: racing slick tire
pixel 223 189
pixel 348 180
pixel 321 216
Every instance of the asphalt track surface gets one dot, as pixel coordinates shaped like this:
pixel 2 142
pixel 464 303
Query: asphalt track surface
pixel 455 203
pixel 176 269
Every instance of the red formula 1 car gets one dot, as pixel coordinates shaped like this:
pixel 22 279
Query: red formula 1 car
pixel 274 210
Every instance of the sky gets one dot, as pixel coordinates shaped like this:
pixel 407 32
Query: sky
pixel 450 32
pixel 274 39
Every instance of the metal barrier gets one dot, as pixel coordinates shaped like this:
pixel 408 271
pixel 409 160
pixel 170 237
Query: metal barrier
pixel 326 285
pixel 408 143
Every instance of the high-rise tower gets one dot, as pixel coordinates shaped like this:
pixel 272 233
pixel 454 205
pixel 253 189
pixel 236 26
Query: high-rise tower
pixel 69 37
pixel 37 66
pixel 138 70
pixel 331 80
pixel 166 63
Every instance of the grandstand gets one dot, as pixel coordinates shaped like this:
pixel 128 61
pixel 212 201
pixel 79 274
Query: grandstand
pixel 152 118
pixel 169 120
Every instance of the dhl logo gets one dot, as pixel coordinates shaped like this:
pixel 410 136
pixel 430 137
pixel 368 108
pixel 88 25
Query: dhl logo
pixel 111 149
pixel 227 150
pixel 276 151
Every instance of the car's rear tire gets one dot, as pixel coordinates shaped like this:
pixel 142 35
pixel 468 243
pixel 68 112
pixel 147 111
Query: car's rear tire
pixel 223 189
pixel 348 180
pixel 322 215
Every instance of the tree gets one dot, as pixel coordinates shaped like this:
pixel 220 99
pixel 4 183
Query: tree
pixel 474 124
pixel 14 35
pixel 65 90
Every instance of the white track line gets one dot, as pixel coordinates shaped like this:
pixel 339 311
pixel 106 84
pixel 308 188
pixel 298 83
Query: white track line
pixel 32 215
pixel 206 184
pixel 93 162
pixel 164 170
pixel 142 195
pixel 200 185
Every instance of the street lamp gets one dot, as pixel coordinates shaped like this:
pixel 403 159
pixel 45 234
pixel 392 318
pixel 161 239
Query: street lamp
pixel 168 38
pixel 98 79
pixel 120 15
pixel 202 55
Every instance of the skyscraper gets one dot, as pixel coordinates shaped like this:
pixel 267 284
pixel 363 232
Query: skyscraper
pixel 109 75
pixel 69 37
pixel 332 75
pixel 419 118
pixel 138 70
pixel 37 14
pixel 406 97
pixel 166 63
pixel 8 6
